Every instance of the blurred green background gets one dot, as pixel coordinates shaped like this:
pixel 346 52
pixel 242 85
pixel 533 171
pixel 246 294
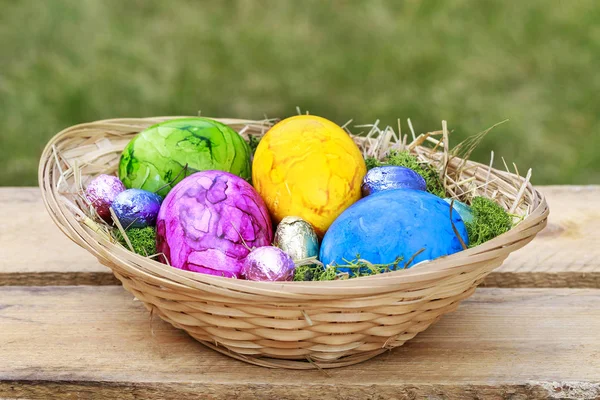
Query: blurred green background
pixel 473 63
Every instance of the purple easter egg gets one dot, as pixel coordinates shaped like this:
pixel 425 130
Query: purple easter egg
pixel 209 221
pixel 101 192
pixel 268 263
pixel 136 208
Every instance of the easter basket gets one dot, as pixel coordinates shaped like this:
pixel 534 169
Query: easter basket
pixel 296 325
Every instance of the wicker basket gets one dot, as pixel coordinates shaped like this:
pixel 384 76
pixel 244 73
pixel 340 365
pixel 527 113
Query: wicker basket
pixel 297 325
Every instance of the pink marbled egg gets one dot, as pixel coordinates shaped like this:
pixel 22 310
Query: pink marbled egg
pixel 208 222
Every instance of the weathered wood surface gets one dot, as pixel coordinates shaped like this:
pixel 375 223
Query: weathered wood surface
pixel 567 254
pixel 33 251
pixel 97 342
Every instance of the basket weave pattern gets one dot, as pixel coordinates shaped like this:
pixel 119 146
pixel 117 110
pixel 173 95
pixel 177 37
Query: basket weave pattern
pixel 298 325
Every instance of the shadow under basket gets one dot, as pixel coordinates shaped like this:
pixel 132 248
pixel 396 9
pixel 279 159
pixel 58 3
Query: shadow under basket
pixel 296 325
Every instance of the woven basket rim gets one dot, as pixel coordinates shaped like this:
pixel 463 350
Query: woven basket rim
pixel 336 289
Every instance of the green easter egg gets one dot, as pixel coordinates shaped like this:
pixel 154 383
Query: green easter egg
pixel 156 157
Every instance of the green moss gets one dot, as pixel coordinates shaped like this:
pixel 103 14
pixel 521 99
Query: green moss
pixel 372 162
pixel 405 159
pixel 489 221
pixel 253 142
pixel 431 176
pixel 314 273
pixel 353 269
pixel 143 240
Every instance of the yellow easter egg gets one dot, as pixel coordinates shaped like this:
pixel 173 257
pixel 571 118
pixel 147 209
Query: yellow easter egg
pixel 309 167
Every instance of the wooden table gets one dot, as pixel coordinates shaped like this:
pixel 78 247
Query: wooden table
pixel 531 331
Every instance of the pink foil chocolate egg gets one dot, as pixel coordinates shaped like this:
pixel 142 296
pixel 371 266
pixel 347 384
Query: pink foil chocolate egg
pixel 209 221
pixel 268 263
pixel 101 192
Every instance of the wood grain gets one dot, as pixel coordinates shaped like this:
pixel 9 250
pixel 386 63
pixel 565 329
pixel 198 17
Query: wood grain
pixel 97 342
pixel 567 254
pixel 33 251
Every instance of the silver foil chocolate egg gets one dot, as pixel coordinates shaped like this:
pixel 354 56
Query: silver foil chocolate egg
pixel 297 238
pixel 390 177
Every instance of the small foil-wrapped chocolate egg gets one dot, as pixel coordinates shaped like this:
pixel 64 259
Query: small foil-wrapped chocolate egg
pixel 390 177
pixel 137 208
pixel 297 238
pixel 101 192
pixel 268 263
pixel 462 209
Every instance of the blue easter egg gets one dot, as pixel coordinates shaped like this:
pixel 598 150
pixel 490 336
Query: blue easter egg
pixel 391 224
pixel 137 208
pixel 391 177
pixel 464 210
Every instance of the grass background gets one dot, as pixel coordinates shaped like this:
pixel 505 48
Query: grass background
pixel 473 63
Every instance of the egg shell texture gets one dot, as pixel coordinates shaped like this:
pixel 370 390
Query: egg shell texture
pixel 155 159
pixel 208 219
pixel 268 263
pixel 101 192
pixel 391 224
pixel 309 167
pixel 391 177
pixel 136 208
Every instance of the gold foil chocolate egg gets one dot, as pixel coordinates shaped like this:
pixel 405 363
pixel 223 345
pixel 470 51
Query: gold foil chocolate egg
pixel 297 238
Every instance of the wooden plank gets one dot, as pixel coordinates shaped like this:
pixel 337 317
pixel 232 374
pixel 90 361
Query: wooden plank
pixel 566 254
pixel 35 252
pixel 97 342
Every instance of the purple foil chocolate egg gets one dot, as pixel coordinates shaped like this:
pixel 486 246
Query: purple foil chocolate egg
pixel 101 192
pixel 268 263
pixel 390 177
pixel 208 222
pixel 136 208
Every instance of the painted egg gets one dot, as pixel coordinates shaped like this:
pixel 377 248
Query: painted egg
pixel 268 263
pixel 156 158
pixel 297 238
pixel 209 222
pixel 309 167
pixel 101 192
pixel 463 209
pixel 411 224
pixel 391 177
pixel 136 208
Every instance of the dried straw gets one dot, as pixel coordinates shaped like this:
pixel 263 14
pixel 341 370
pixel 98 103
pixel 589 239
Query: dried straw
pixel 298 325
